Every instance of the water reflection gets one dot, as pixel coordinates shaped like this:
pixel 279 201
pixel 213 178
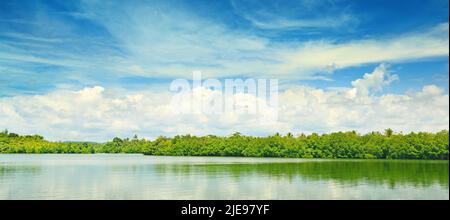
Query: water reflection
pixel 416 173
pixel 145 177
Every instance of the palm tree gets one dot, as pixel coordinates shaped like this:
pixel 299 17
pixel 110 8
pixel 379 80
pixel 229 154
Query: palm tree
pixel 388 132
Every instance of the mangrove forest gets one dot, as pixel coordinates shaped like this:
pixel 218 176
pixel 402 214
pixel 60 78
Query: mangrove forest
pixel 374 145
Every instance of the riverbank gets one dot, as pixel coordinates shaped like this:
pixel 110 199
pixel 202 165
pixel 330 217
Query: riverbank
pixel 388 145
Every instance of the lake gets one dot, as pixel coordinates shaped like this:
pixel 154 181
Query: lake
pixel 126 176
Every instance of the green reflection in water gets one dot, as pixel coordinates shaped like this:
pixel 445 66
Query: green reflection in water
pixel 147 177
pixel 416 173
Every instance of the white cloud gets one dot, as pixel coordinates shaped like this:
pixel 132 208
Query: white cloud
pixel 318 110
pixel 176 42
pixel 301 15
pixel 374 81
pixel 164 41
pixel 271 22
pixel 320 55
pixel 97 113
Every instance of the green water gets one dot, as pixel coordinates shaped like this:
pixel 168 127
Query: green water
pixel 108 176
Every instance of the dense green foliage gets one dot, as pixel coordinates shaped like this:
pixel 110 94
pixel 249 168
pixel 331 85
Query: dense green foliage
pixel 388 145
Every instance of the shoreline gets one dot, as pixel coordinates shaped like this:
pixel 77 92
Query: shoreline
pixel 337 145
pixel 228 157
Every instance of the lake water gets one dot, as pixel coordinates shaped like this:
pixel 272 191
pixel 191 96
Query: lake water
pixel 120 176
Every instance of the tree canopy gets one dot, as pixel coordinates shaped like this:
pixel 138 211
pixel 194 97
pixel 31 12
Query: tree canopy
pixel 375 145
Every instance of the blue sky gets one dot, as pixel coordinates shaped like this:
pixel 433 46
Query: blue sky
pixel 47 44
pixel 131 46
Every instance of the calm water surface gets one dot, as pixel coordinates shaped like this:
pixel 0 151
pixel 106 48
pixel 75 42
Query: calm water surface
pixel 108 176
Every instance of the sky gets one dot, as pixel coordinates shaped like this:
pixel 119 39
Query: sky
pixel 93 70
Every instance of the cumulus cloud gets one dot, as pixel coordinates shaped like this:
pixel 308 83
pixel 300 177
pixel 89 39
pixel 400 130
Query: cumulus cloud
pixel 96 113
pixel 317 110
pixel 374 81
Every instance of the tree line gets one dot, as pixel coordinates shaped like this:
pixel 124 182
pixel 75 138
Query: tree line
pixel 374 145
